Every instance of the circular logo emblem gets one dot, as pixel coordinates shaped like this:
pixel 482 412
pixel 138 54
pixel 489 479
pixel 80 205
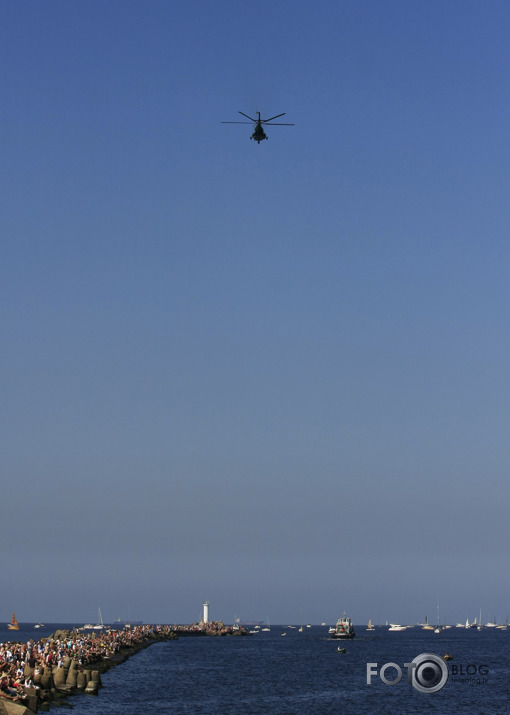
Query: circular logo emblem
pixel 430 673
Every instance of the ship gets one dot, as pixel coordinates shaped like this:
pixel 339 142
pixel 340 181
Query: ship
pixel 121 623
pixel 343 628
pixel 13 625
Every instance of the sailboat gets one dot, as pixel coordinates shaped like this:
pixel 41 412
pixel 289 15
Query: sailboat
pixel 91 627
pixel 426 626
pixel 99 625
pixel 268 627
pixel 370 626
pixel 13 625
pixel 437 628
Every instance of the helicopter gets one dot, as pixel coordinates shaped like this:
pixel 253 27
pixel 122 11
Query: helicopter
pixel 259 133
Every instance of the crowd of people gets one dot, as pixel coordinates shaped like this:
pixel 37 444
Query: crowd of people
pixel 213 627
pixel 22 664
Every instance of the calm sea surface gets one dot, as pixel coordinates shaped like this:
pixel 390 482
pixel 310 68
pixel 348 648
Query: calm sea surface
pixel 299 673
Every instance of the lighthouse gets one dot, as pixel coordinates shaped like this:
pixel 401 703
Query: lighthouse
pixel 205 617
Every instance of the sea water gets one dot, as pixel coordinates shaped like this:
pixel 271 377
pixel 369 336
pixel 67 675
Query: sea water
pixel 302 673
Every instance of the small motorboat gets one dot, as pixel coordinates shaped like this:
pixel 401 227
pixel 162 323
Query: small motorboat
pixel 341 650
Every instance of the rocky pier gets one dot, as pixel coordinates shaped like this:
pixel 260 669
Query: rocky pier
pixel 35 675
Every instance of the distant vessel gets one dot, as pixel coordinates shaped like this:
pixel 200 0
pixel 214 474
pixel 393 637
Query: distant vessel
pixel 267 628
pixel 99 625
pixel 13 625
pixel 370 626
pixel 343 628
pixel 426 626
pixel 396 627
pixel 120 623
pixel 39 625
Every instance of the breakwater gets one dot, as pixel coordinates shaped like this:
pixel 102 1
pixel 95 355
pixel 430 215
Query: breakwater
pixel 33 675
pixel 36 674
pixel 209 629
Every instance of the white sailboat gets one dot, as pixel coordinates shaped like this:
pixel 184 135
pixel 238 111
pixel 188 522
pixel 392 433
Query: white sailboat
pixel 437 629
pixel 99 625
pixel 268 627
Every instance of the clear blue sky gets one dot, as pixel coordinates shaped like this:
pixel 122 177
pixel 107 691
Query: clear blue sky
pixel 275 376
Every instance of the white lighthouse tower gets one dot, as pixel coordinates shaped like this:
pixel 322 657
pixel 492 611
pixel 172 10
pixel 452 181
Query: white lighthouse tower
pixel 205 618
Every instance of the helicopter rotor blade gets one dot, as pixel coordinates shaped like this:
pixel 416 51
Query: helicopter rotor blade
pixel 235 122
pixel 245 115
pixel 271 118
pixel 280 124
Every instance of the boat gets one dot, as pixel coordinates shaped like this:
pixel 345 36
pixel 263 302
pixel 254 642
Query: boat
pixel 426 626
pixel 437 629
pixel 343 628
pixel 267 628
pixel 120 623
pixel 370 627
pixel 99 626
pixel 341 650
pixel 39 625
pixel 323 623
pixel 308 625
pixel 396 627
pixel 13 625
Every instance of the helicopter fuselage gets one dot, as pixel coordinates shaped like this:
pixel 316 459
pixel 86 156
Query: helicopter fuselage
pixel 259 134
